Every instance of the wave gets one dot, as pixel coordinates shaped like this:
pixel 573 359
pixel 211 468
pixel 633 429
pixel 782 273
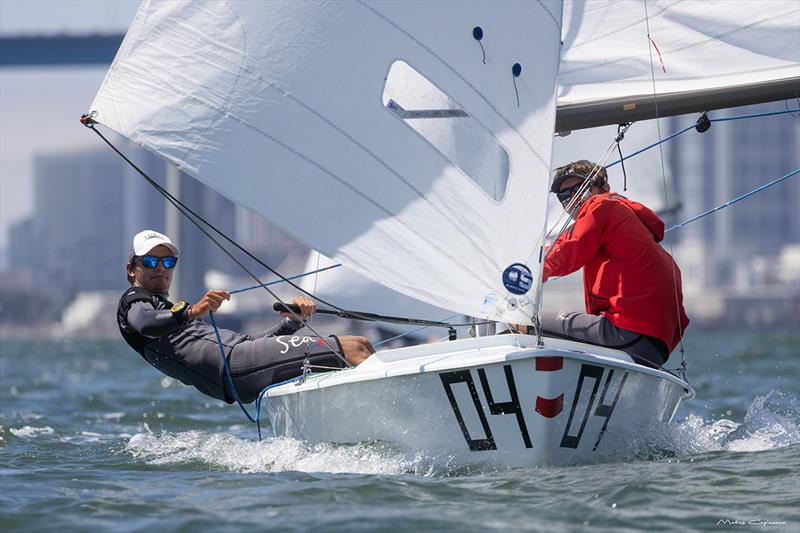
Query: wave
pixel 768 424
pixel 275 454
pixel 771 422
pixel 26 432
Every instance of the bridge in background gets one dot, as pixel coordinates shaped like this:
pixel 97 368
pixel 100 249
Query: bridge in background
pixel 55 50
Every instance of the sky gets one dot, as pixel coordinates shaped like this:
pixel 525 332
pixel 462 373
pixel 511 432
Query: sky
pixel 40 107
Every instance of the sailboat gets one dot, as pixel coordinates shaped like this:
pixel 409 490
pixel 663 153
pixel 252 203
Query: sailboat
pixel 412 143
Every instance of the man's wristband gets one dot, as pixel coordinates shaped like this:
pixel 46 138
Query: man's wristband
pixel 181 310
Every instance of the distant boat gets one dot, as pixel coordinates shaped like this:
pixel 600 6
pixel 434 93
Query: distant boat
pixel 412 143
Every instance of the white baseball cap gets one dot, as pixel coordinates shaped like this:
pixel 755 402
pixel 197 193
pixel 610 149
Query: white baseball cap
pixel 146 240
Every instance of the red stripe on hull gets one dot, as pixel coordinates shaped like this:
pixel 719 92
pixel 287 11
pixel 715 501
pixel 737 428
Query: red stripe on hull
pixel 549 408
pixel 549 364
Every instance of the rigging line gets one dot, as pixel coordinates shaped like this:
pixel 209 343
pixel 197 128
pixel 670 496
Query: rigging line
pixel 786 103
pixel 260 398
pixel 735 200
pixel 712 120
pixel 569 210
pixel 281 281
pixel 664 181
pixel 316 277
pixel 339 179
pixel 513 332
pixel 755 115
pixel 284 93
pixel 586 185
pixel 343 313
pixel 619 138
pixel 566 210
pixel 361 315
pixel 684 130
pixel 88 121
pixel 229 376
pixel 410 331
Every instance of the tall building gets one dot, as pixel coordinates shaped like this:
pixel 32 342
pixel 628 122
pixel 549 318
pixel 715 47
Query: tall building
pixel 89 204
pixel 264 239
pixel 142 205
pixel 78 219
pixel 22 245
pixel 731 159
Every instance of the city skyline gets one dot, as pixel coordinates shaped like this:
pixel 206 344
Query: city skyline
pixel 40 106
pixel 92 195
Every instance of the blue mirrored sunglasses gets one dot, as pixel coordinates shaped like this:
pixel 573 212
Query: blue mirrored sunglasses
pixel 151 261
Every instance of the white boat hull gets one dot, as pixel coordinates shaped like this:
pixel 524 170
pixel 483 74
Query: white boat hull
pixel 499 400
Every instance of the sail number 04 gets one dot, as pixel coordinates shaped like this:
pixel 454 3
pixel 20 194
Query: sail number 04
pixel 570 438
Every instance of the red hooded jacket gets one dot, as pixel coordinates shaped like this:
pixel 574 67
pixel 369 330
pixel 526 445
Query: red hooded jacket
pixel 627 275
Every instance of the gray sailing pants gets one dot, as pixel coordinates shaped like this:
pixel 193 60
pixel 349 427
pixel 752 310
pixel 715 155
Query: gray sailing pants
pixel 264 361
pixel 598 330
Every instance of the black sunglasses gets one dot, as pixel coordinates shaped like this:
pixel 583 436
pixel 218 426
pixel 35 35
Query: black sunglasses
pixel 565 194
pixel 151 261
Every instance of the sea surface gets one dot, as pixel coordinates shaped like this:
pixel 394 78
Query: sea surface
pixel 94 439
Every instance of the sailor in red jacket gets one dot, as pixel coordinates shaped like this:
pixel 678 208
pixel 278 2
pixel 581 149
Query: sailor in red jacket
pixel 632 285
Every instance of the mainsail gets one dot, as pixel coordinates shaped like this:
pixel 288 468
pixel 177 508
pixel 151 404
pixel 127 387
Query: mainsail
pixel 282 107
pixel 704 55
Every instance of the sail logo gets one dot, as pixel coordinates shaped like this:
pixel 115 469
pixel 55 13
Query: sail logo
pixel 517 278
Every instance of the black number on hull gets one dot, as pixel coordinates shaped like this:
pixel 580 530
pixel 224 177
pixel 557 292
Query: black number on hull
pixel 603 410
pixel 606 410
pixel 464 376
pixel 506 408
pixel 596 372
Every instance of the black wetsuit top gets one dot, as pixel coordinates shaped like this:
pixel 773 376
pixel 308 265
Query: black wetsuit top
pixel 186 350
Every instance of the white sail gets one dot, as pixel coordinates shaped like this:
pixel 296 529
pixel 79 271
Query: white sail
pixel 352 291
pixel 280 107
pixel 705 55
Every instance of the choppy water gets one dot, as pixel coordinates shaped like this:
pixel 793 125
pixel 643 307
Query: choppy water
pixel 93 438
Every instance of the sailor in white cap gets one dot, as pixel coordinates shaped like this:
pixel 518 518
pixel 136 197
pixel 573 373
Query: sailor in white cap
pixel 174 338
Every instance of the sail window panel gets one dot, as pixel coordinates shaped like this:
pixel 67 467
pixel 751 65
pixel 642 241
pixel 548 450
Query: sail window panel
pixel 461 139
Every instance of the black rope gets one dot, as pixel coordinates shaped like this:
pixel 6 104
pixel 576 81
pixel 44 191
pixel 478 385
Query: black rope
pixel 88 121
pixel 360 315
pixel 786 103
pixel 621 128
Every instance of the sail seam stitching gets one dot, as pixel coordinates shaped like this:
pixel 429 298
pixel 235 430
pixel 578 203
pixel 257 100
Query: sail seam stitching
pixel 622 28
pixel 462 78
pixel 702 42
pixel 550 14
pixel 271 85
pixel 227 99
pixel 330 173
